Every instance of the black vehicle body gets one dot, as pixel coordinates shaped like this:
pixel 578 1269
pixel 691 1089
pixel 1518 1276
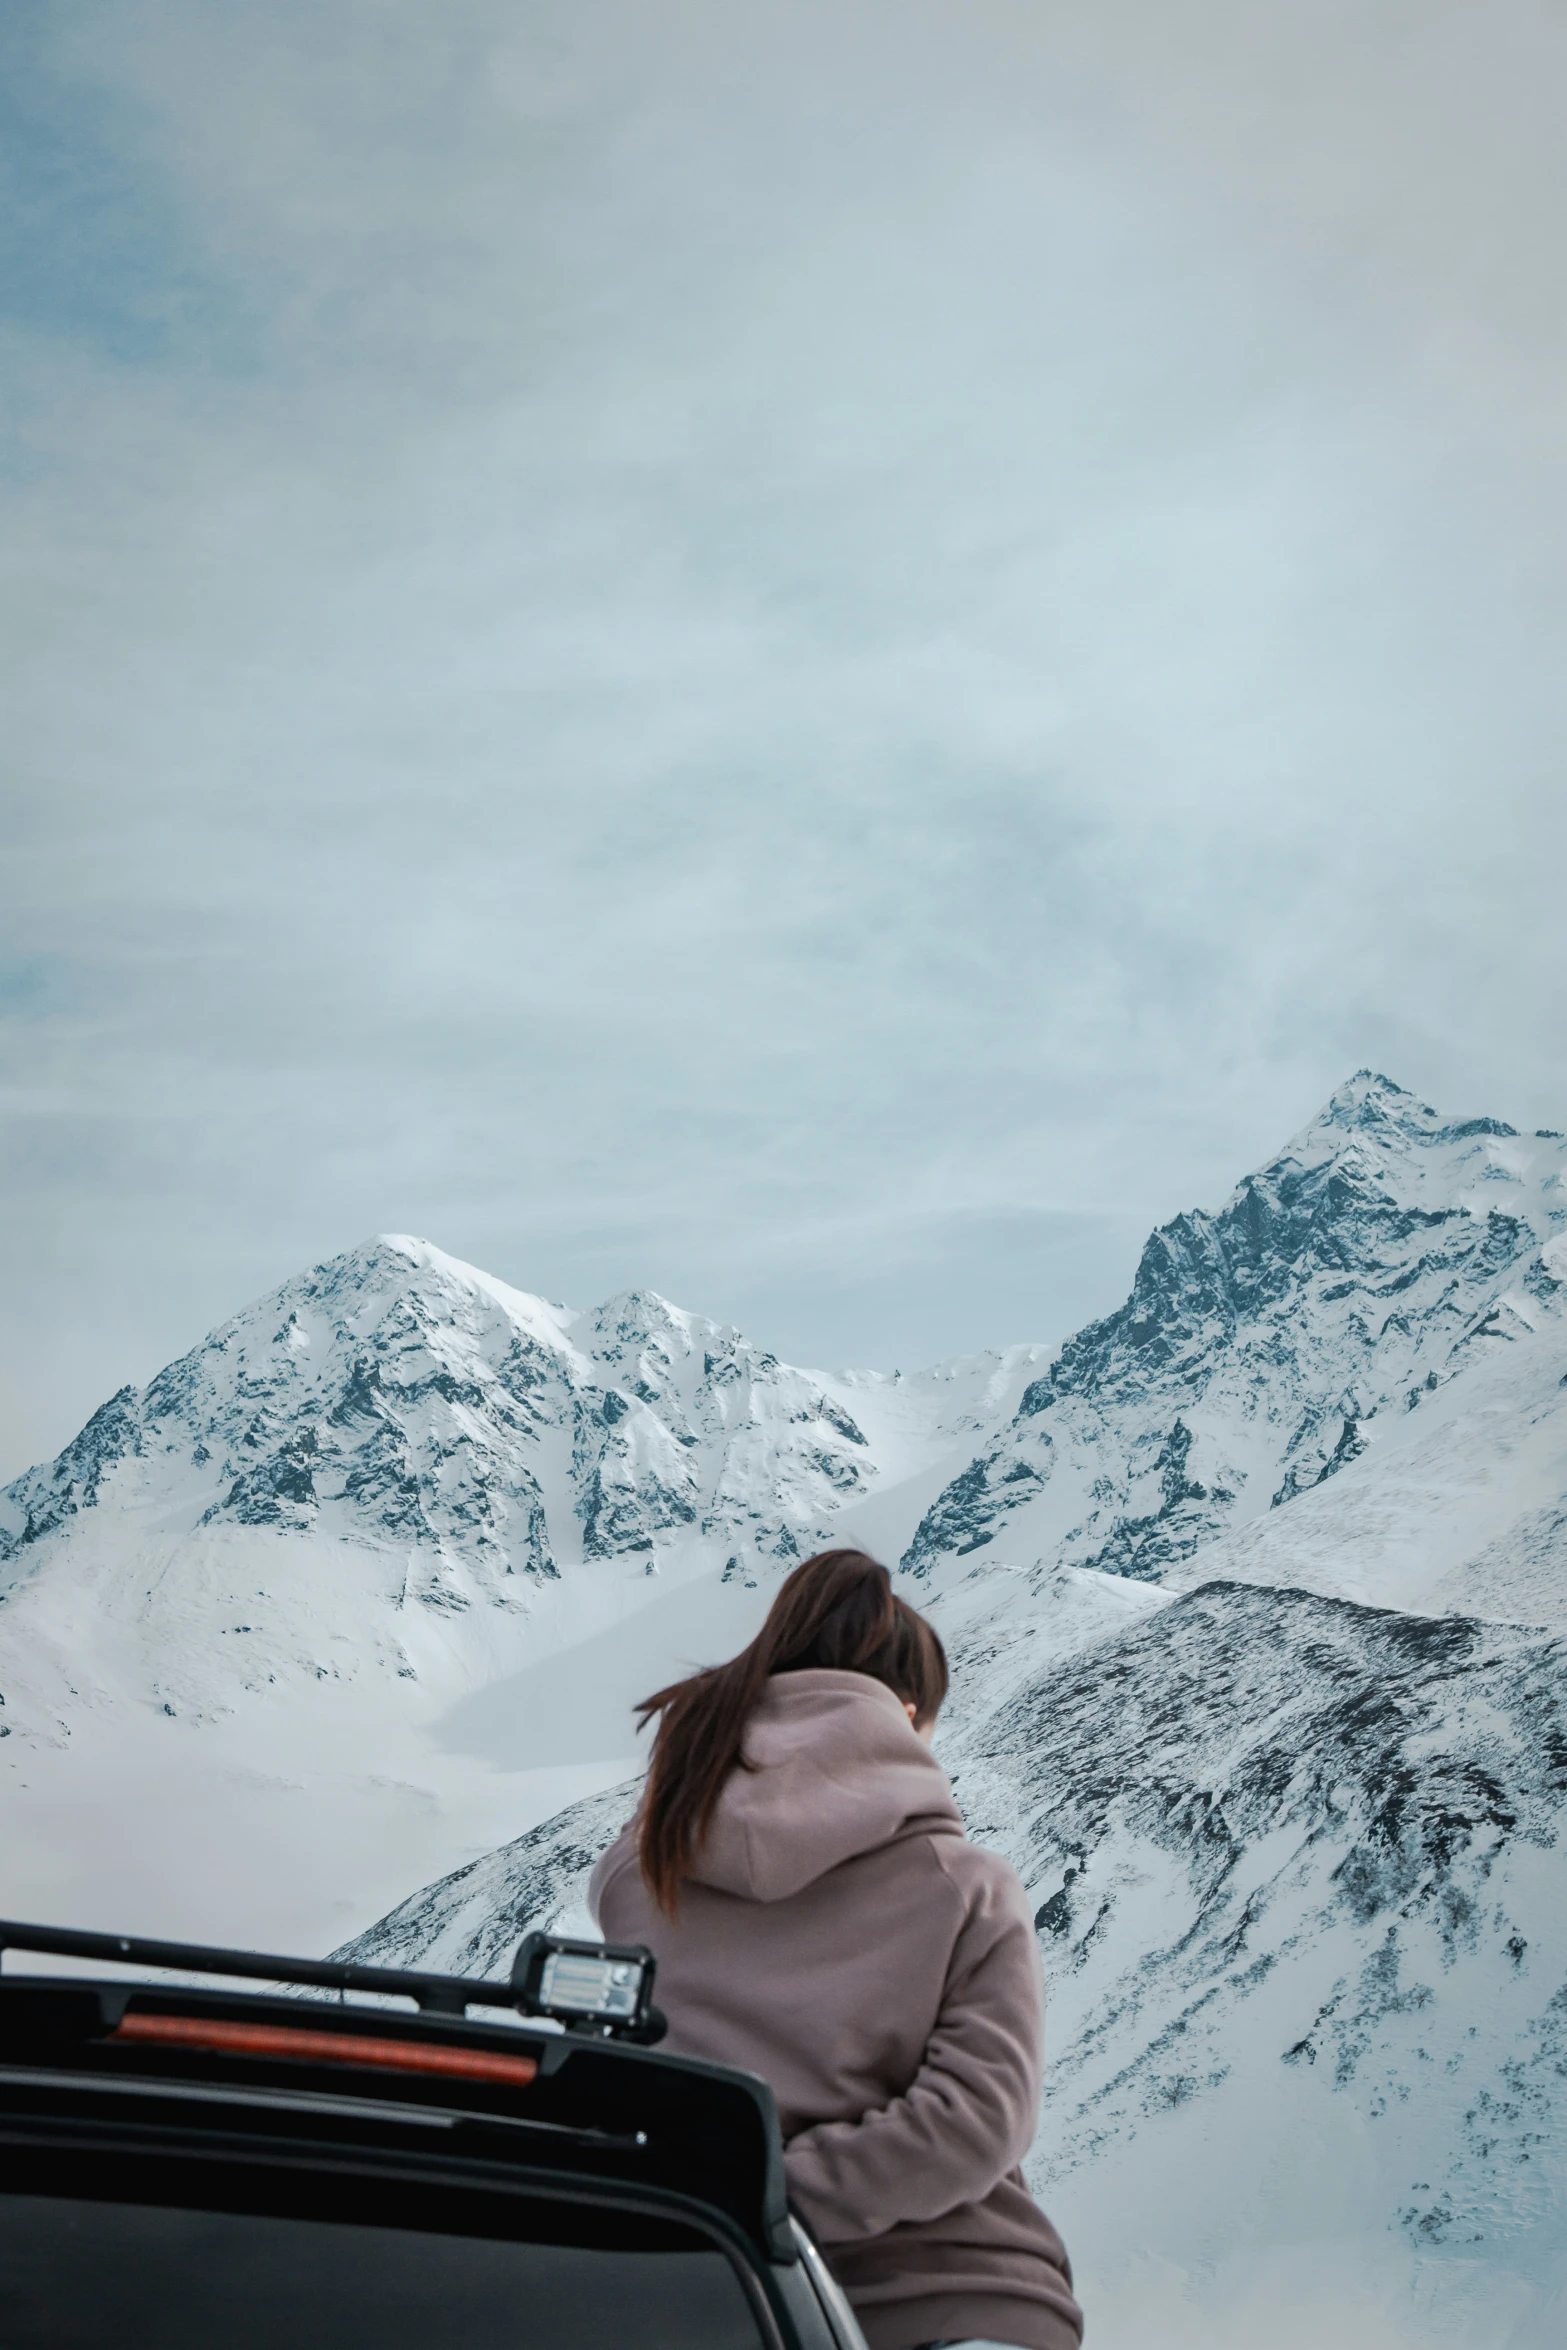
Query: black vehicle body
pixel 185 2165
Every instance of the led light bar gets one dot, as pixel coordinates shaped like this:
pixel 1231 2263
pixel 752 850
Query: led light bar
pixel 600 1987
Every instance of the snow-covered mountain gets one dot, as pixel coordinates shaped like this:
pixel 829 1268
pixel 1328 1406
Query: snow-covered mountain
pixel 1328 1312
pixel 396 1396
pixel 1299 1883
pixel 1298 1878
pixel 280 1630
pixel 1255 1593
pixel 1297 1860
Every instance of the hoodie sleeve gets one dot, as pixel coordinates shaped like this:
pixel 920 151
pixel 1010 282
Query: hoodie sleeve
pixel 968 2116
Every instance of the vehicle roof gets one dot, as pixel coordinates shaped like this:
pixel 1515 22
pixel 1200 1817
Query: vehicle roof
pixel 596 2116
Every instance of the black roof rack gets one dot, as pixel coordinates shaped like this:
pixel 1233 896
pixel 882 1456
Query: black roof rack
pixel 435 1994
pixel 602 2103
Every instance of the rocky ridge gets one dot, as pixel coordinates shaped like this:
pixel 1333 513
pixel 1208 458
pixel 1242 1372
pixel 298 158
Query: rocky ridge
pixel 1383 1254
pixel 1282 1848
pixel 396 1396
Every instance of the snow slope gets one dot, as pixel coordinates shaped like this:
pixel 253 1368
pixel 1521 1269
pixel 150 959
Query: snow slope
pixel 278 1634
pixel 1300 1888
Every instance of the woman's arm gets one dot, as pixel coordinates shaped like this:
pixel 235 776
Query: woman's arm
pixel 968 2116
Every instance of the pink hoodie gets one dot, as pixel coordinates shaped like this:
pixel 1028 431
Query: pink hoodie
pixel 842 1938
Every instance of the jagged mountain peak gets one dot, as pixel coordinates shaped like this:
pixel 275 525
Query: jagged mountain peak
pixel 391 1393
pixel 636 1318
pixel 398 1395
pixel 1372 1124
pixel 1264 1348
pixel 1370 1099
pixel 647 1309
pixel 402 1260
pixel 1374 1172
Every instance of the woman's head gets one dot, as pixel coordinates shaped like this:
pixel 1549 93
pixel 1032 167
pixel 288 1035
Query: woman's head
pixel 838 1610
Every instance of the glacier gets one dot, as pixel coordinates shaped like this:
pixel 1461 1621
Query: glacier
pixel 1256 1593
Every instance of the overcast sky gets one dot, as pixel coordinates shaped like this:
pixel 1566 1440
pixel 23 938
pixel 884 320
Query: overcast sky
pixel 823 656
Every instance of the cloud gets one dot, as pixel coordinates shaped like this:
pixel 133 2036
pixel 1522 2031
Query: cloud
pixel 826 658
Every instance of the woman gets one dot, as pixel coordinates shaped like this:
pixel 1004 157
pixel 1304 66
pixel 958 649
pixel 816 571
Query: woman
pixel 800 1871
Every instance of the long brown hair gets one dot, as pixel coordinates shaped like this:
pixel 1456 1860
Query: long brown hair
pixel 837 1609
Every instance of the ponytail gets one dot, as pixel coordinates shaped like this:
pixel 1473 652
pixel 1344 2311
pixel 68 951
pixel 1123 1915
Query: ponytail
pixel 837 1610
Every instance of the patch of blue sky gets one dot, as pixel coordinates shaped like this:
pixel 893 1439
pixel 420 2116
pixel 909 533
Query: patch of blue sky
pixel 97 246
pixel 26 985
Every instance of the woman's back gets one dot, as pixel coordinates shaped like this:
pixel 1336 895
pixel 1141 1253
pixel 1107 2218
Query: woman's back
pixel 836 1933
pixel 835 1832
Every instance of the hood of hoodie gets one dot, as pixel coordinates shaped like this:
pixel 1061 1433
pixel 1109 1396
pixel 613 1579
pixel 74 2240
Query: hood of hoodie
pixel 838 1770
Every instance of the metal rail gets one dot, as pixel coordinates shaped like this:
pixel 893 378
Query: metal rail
pixel 435 1994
